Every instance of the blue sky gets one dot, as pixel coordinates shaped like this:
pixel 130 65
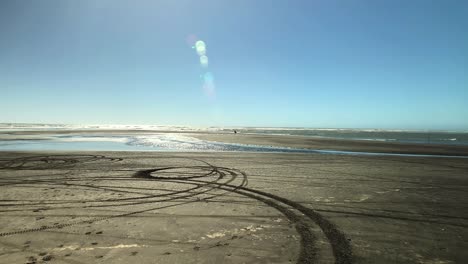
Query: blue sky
pixel 319 63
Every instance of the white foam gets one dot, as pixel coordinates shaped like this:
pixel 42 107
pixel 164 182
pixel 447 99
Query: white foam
pixel 40 127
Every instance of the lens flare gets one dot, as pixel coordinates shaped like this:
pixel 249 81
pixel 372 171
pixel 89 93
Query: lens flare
pixel 208 80
pixel 200 47
pixel 204 61
pixel 208 77
pixel 191 39
pixel 209 90
pixel 200 43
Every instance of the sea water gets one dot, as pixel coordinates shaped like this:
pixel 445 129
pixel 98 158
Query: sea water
pixel 403 136
pixel 155 142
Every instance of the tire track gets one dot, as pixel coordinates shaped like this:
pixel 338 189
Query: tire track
pixel 198 183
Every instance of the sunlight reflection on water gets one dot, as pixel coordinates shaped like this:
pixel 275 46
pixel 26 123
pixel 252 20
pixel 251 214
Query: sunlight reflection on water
pixel 161 142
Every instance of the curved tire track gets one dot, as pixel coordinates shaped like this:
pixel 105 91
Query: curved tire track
pixel 229 180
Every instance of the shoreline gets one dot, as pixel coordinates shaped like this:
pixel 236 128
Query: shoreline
pixel 305 142
pixel 295 142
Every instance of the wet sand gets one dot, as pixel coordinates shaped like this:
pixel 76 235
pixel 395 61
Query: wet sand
pixel 308 142
pixel 303 142
pixel 154 207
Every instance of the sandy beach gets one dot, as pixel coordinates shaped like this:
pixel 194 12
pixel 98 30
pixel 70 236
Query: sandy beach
pixel 243 132
pixel 234 207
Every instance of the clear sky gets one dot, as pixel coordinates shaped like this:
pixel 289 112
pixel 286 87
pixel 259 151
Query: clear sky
pixel 312 63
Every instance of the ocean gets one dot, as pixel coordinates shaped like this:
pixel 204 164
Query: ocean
pixel 404 136
pixel 25 137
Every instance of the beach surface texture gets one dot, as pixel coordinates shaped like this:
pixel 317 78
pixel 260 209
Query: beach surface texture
pixel 236 207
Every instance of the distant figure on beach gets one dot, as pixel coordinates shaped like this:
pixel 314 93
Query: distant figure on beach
pixel 235 132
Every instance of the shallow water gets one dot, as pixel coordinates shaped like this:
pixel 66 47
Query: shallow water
pixel 159 142
pixel 403 136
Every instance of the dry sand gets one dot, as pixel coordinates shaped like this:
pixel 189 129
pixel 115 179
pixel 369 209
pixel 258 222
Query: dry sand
pixel 155 207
